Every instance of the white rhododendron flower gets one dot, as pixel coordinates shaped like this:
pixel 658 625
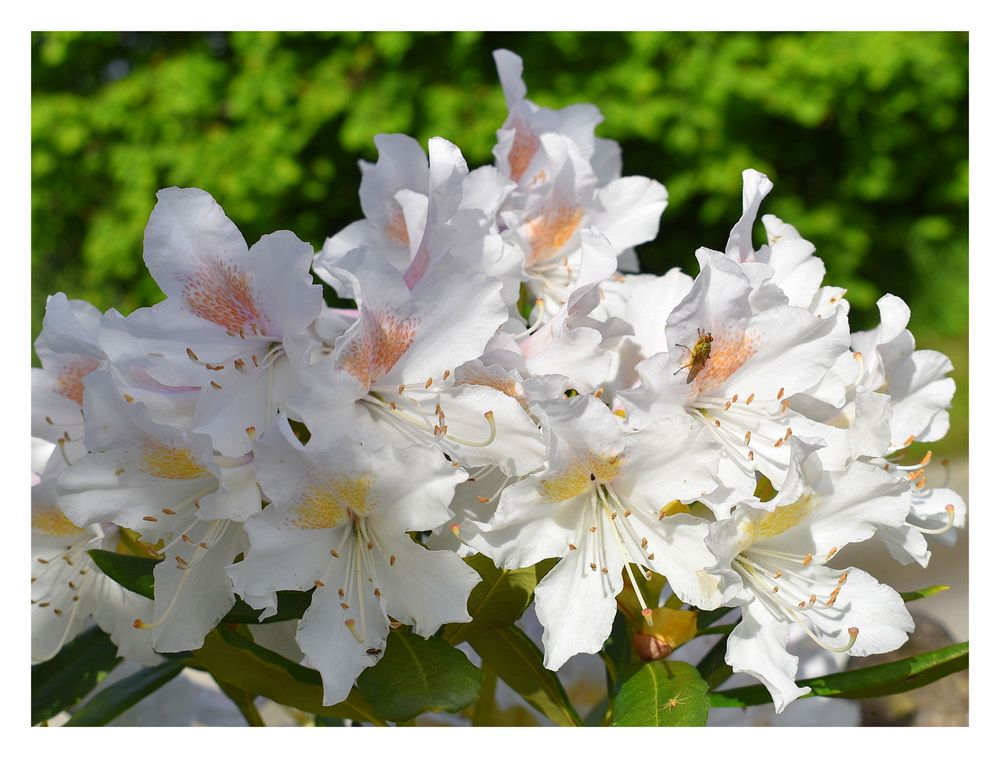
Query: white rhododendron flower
pixel 231 320
pixel 391 375
pixel 338 521
pixel 67 588
pixel 167 485
pixel 739 387
pixel 601 505
pixel 780 554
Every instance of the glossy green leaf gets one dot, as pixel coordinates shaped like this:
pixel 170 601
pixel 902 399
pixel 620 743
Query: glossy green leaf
pixel 417 675
pixel 130 571
pixel 291 605
pixel 618 654
pixel 925 592
pixel 662 693
pixel 484 713
pixel 499 599
pixel 64 680
pixel 135 573
pixel 873 681
pixel 231 657
pixel 713 667
pixel 510 654
pixel 120 696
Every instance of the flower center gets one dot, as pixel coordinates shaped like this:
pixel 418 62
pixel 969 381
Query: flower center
pixel 329 504
pixel 49 520
pixel 168 462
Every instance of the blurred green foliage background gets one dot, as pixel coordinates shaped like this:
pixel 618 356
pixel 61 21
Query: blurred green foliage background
pixel 864 134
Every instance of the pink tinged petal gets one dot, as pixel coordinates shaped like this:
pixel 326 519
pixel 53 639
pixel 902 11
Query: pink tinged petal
pixel 341 642
pixel 425 588
pixel 718 303
pixel 528 526
pixel 758 647
pixel 457 315
pixel 575 602
pixel 53 415
pixel 402 164
pixel 789 349
pixel 193 591
pixel 629 211
pixel 197 255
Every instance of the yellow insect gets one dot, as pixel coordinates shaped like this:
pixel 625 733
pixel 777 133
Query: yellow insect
pixel 698 355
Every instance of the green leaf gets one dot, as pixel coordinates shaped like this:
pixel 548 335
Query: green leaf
pixel 925 592
pixel 120 696
pixel 707 618
pixel 873 681
pixel 499 600
pixel 620 658
pixel 291 605
pixel 229 656
pixel 510 653
pixel 662 693
pixel 485 711
pixel 63 681
pixel 130 571
pixel 243 700
pixel 713 667
pixel 136 574
pixel 417 675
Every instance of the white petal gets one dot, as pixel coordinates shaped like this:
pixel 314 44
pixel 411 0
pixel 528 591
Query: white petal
pixel 328 643
pixel 629 211
pixel 190 601
pixel 425 588
pixel 758 647
pixel 527 526
pixel 576 603
pixel 875 610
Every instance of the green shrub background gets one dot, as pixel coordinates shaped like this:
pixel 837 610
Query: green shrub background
pixel 864 134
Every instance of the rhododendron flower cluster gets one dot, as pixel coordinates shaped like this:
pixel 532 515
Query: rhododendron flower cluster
pixel 505 384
